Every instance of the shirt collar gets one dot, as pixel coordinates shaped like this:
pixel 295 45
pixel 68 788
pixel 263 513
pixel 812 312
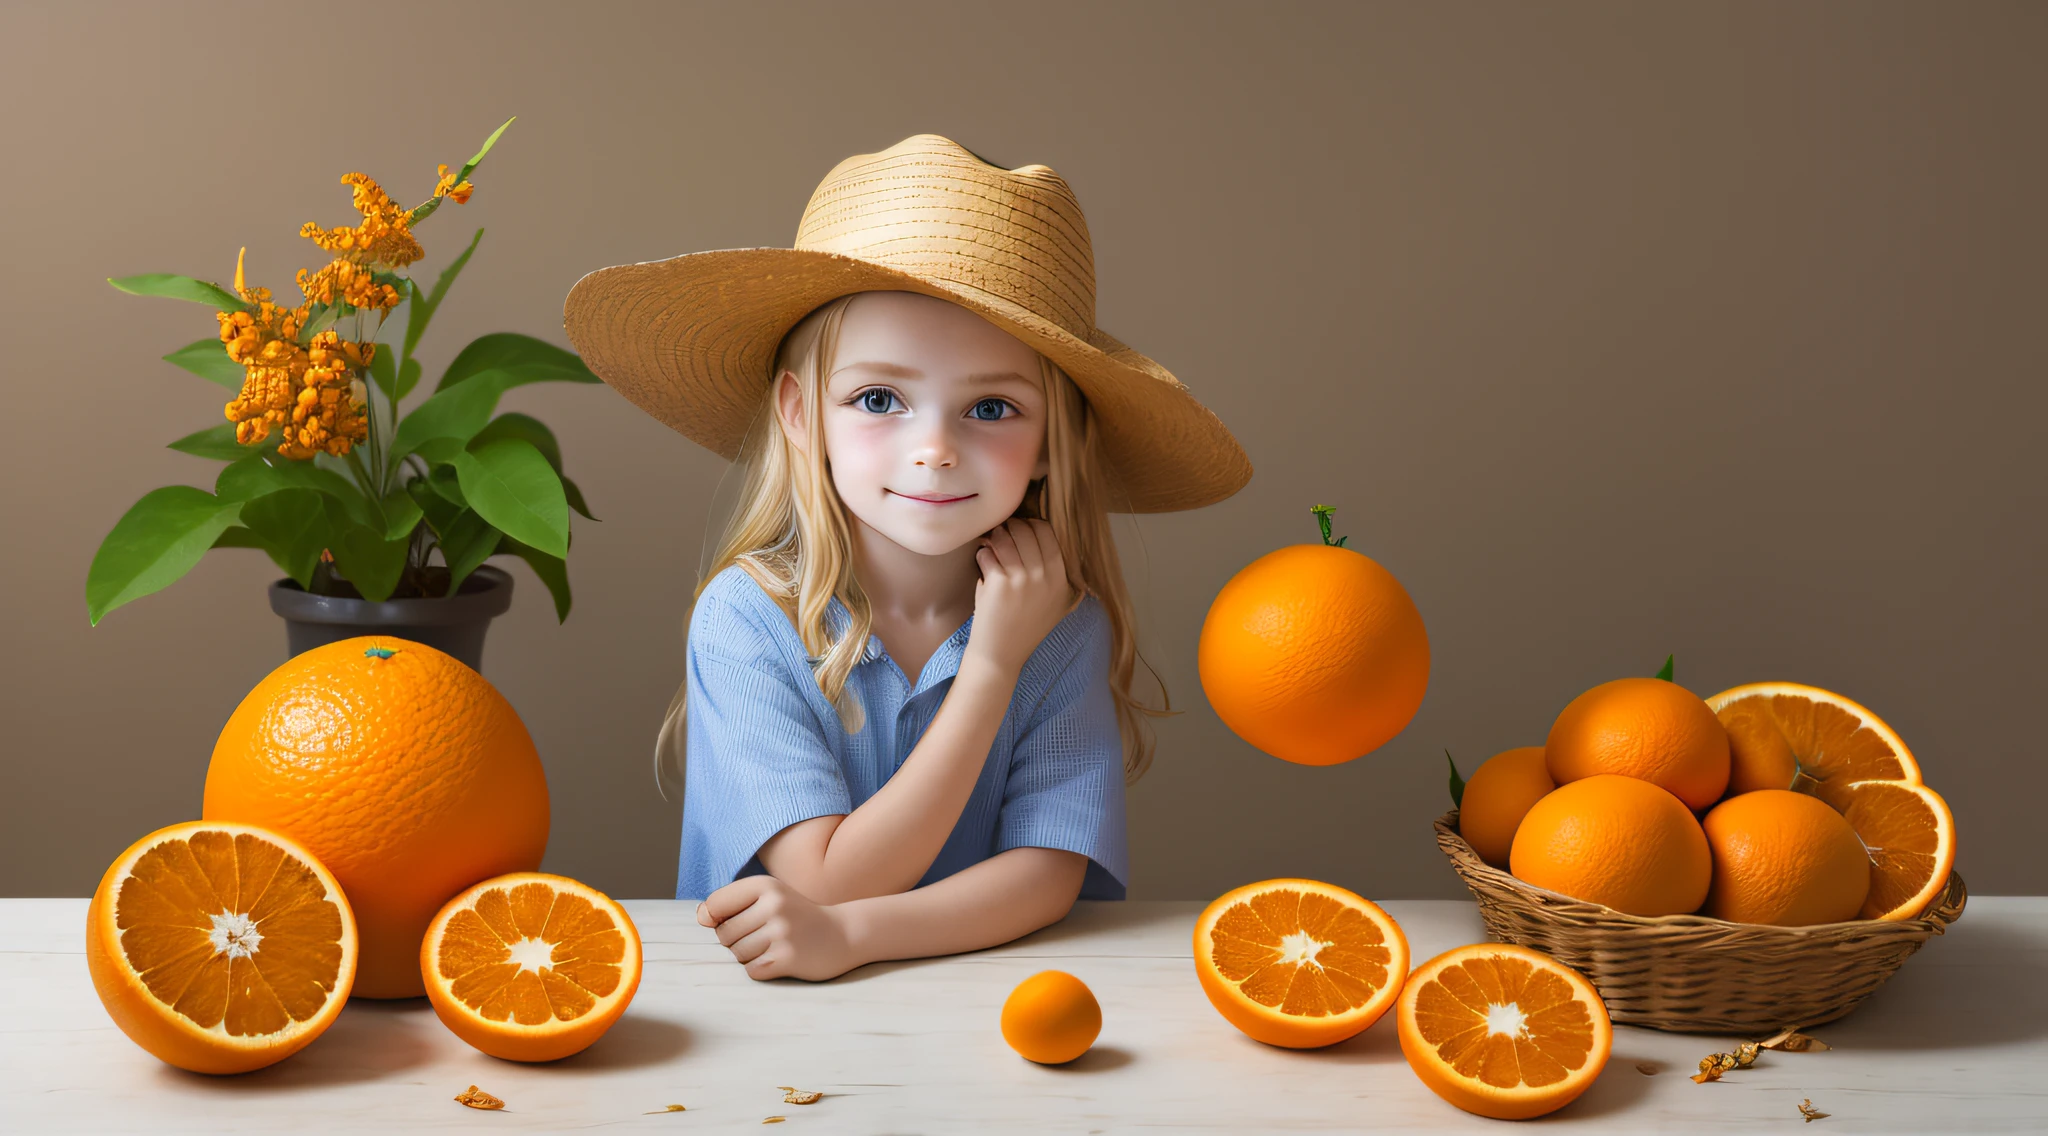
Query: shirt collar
pixel 943 665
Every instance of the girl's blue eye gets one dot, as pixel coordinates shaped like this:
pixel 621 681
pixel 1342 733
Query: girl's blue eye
pixel 991 409
pixel 877 400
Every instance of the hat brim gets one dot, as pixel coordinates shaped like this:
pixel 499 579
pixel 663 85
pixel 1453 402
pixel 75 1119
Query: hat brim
pixel 690 341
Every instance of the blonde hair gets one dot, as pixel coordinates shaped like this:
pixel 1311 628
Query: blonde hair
pixel 789 531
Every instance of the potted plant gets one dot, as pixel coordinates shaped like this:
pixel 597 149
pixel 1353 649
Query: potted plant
pixel 351 498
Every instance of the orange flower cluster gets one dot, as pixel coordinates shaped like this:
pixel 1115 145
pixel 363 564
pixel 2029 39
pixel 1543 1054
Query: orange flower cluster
pixel 306 392
pixel 383 239
pixel 447 187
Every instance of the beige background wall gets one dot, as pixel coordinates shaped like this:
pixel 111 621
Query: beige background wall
pixel 1613 330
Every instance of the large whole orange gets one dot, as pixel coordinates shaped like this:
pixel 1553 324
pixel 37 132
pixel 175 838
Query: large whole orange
pixel 1617 841
pixel 1642 727
pixel 1315 654
pixel 1786 859
pixel 403 770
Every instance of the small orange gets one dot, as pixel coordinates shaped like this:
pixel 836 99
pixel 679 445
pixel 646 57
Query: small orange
pixel 1785 735
pixel 1617 841
pixel 1503 1031
pixel 220 948
pixel 1784 858
pixel 1499 794
pixel 405 771
pixel 1299 963
pixel 1912 842
pixel 1051 1017
pixel 1314 654
pixel 530 966
pixel 1649 728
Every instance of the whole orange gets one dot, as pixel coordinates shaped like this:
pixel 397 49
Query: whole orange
pixel 1314 654
pixel 1051 1017
pixel 1786 859
pixel 1617 841
pixel 402 769
pixel 1499 794
pixel 1647 728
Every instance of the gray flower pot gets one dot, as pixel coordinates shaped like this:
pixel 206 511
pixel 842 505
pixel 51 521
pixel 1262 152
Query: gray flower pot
pixel 454 625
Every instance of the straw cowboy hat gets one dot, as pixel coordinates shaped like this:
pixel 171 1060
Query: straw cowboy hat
pixel 691 339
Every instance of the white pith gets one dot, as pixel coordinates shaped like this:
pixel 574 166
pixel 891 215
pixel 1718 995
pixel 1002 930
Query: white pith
pixel 235 935
pixel 533 954
pixel 1508 1019
pixel 1300 947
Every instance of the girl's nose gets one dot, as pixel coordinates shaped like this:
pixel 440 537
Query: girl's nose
pixel 934 448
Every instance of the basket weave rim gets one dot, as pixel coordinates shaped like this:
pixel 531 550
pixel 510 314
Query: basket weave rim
pixel 1944 910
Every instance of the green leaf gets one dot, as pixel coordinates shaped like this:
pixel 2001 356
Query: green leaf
pixel 511 485
pixel 1457 783
pixel 218 443
pixel 1665 674
pixel 259 474
pixel 179 288
pixel 467 542
pixel 367 560
pixel 456 412
pixel 382 370
pixel 422 310
pixel 575 497
pixel 293 525
pixel 469 167
pixel 552 570
pixel 408 378
pixel 401 515
pixel 208 358
pixel 155 542
pixel 440 511
pixel 439 451
pixel 235 536
pixel 448 485
pixel 522 358
pixel 513 424
pixel 319 319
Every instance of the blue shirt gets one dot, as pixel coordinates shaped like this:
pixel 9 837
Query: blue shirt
pixel 766 750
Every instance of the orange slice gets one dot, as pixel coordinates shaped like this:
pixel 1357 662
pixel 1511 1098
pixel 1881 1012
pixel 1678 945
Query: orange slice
pixel 1911 838
pixel 529 966
pixel 1299 963
pixel 1503 1031
pixel 1783 735
pixel 220 947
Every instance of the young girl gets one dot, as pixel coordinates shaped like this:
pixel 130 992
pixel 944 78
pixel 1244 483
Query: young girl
pixel 907 700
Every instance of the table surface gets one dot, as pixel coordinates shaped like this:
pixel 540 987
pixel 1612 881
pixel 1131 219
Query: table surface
pixel 1955 1042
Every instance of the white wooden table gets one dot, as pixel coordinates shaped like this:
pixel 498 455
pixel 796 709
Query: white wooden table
pixel 1956 1042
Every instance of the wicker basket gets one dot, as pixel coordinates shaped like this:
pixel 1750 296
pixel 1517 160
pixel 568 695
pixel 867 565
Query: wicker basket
pixel 1692 973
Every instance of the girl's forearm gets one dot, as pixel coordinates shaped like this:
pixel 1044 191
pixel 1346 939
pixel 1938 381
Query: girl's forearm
pixel 999 899
pixel 888 843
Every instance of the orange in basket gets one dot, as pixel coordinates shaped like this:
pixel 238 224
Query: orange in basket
pixel 1299 963
pixel 1503 1031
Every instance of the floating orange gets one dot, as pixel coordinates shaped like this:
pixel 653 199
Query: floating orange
pixel 530 966
pixel 1314 654
pixel 1503 1031
pixel 220 948
pixel 1299 963
pixel 405 771
pixel 1051 1017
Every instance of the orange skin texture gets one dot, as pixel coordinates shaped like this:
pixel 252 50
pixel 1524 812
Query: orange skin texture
pixel 1314 654
pixel 410 777
pixel 1523 1101
pixel 1291 1031
pixel 1785 859
pixel 1617 841
pixel 1500 793
pixel 508 1041
pixel 157 1028
pixel 1051 1018
pixel 1759 757
pixel 1647 728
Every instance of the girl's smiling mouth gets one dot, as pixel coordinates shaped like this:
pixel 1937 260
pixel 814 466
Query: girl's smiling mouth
pixel 934 498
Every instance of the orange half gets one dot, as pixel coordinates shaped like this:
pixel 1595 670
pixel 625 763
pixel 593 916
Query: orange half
pixel 1503 1031
pixel 530 966
pixel 1299 963
pixel 1785 735
pixel 1911 838
pixel 220 947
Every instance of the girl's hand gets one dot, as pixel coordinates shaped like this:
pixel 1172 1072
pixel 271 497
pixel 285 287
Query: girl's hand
pixel 776 932
pixel 1023 592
